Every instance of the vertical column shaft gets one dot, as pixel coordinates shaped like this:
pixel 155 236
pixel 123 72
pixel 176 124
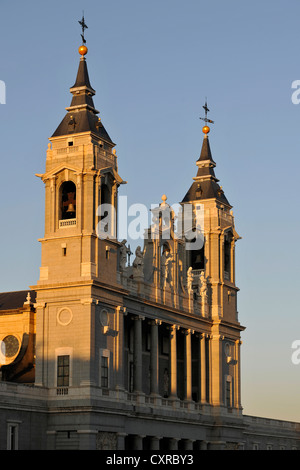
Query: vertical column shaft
pixel 216 371
pixel 188 365
pixel 202 369
pixel 154 443
pixel 154 366
pixel 137 355
pixel 138 442
pixel 173 360
pixel 237 375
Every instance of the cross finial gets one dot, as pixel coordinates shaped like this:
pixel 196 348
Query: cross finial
pixel 206 129
pixel 83 26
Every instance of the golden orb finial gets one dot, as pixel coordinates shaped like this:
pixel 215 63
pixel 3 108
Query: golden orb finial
pixel 205 130
pixel 82 50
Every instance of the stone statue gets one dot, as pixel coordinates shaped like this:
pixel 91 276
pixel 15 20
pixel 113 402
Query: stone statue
pixel 203 291
pixel 138 263
pixel 166 267
pixel 190 277
pixel 123 255
pixel 202 285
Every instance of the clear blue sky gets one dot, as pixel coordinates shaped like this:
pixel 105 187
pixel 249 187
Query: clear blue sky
pixel 152 65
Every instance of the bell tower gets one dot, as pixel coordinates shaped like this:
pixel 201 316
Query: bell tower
pixel 81 173
pixel 214 259
pixel 79 251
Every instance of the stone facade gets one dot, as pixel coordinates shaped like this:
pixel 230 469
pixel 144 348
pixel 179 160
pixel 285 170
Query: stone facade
pixel 119 356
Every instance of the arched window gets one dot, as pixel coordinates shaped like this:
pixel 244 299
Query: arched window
pixel 105 199
pixel 197 258
pixel 105 194
pixel 68 200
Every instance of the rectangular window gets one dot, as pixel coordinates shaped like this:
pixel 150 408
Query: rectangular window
pixel 228 393
pixel 12 436
pixel 104 364
pixel 104 372
pixel 63 371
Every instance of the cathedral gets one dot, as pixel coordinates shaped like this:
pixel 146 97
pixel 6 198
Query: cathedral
pixel 104 354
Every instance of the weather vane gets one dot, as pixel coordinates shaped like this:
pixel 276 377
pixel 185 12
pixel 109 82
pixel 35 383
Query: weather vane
pixel 206 129
pixel 83 26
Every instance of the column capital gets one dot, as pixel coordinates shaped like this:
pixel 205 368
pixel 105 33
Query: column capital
pixel 121 309
pixel 200 334
pixel 217 337
pixel 137 317
pixel 173 327
pixel 188 331
pixel 155 321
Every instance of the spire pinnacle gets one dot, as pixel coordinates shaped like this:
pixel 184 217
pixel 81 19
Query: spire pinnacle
pixel 206 128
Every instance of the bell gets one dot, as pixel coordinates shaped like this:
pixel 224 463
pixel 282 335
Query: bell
pixel 71 208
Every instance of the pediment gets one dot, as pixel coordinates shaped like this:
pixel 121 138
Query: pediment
pixel 59 169
pixel 231 229
pixel 113 174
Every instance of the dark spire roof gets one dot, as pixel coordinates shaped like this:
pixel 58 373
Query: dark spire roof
pixel 82 115
pixel 205 185
pixel 205 151
pixel 82 78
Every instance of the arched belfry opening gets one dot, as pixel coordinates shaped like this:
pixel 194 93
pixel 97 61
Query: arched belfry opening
pixel 105 194
pixel 197 258
pixel 228 255
pixel 68 200
pixel 105 202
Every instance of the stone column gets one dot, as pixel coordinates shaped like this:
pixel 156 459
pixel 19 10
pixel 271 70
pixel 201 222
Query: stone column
pixel 237 376
pixel 202 373
pixel 119 347
pixel 216 376
pixel 232 261
pixel 188 444
pixel 137 355
pixel 42 324
pixel 203 445
pixel 188 365
pixel 154 443
pixel 173 444
pixel 79 202
pixel 114 217
pixel 137 442
pixel 53 211
pixel 154 366
pixel 222 257
pixel 173 361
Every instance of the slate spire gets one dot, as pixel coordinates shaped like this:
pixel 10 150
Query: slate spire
pixel 205 185
pixel 81 114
